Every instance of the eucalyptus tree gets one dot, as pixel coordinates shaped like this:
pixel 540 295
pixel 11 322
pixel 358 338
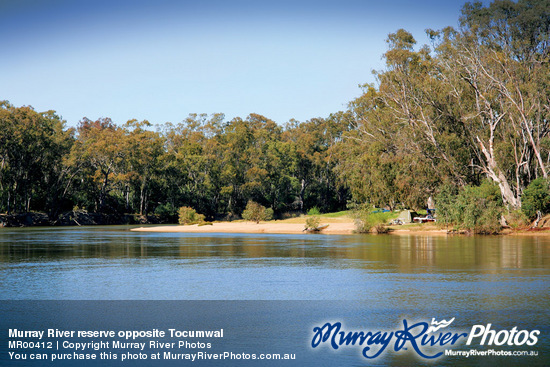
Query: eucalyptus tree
pixel 144 149
pixel 269 176
pixel 192 163
pixel 406 138
pixel 498 63
pixel 316 144
pixel 474 104
pixel 32 147
pixel 98 153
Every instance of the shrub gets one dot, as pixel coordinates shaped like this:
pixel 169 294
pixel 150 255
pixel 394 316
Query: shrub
pixel 188 215
pixel 536 197
pixel 447 214
pixel 472 208
pixel 313 211
pixel 517 219
pixel 368 221
pixel 380 228
pixel 313 223
pixel 268 214
pixel 255 212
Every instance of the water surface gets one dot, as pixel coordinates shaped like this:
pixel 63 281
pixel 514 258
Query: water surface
pixel 117 264
pixel 381 279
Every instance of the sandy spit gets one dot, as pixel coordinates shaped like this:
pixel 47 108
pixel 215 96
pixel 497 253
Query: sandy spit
pixel 250 227
pixel 280 227
pixel 342 225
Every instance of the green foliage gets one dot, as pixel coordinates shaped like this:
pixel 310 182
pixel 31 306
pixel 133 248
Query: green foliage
pixel 424 125
pixel 314 211
pixel 268 214
pixel 367 220
pixel 316 143
pixel 142 163
pixel 536 197
pixel 189 216
pixel 211 165
pixel 383 162
pixel 339 214
pixel 446 199
pixel 516 219
pixel 166 211
pixel 473 208
pixel 255 212
pixel 313 223
pixel 32 148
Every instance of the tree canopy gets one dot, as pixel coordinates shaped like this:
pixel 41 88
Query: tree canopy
pixel 471 106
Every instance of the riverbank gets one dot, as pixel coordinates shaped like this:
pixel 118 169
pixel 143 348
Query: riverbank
pixel 75 218
pixel 275 227
pixel 341 225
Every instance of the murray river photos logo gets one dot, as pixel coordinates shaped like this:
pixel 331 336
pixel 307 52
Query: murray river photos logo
pixel 427 340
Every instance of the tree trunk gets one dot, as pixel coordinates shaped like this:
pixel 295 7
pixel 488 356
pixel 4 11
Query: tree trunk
pixel 495 174
pixel 536 222
pixel 141 200
pixel 302 192
pixel 103 193
pixel 127 197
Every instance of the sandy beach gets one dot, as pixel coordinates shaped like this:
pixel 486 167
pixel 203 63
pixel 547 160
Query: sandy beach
pixel 340 225
pixel 289 226
pixel 251 227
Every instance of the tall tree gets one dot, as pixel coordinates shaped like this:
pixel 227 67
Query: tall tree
pixel 99 153
pixel 143 151
pixel 477 102
pixel 316 143
pixel 32 147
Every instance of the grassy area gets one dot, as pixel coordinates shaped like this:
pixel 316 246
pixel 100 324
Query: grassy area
pixel 380 217
pixel 368 221
pixel 343 213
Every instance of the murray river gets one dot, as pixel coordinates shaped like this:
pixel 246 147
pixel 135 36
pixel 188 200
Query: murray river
pixel 366 281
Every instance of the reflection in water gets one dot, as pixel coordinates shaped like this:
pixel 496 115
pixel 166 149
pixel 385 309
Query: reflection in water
pixel 400 253
pixel 409 271
pixel 503 280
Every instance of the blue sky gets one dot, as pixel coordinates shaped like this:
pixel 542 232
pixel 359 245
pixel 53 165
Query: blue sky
pixel 161 60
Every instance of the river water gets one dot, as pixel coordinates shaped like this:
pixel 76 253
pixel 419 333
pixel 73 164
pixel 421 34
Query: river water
pixel 500 279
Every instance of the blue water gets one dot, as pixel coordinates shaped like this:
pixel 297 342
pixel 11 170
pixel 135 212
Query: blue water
pixel 503 280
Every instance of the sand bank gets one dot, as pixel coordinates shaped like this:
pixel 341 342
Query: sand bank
pixel 278 227
pixel 291 226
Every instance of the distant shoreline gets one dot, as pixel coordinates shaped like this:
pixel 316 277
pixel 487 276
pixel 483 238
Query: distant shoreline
pixel 274 227
pixel 340 226
pixel 75 218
